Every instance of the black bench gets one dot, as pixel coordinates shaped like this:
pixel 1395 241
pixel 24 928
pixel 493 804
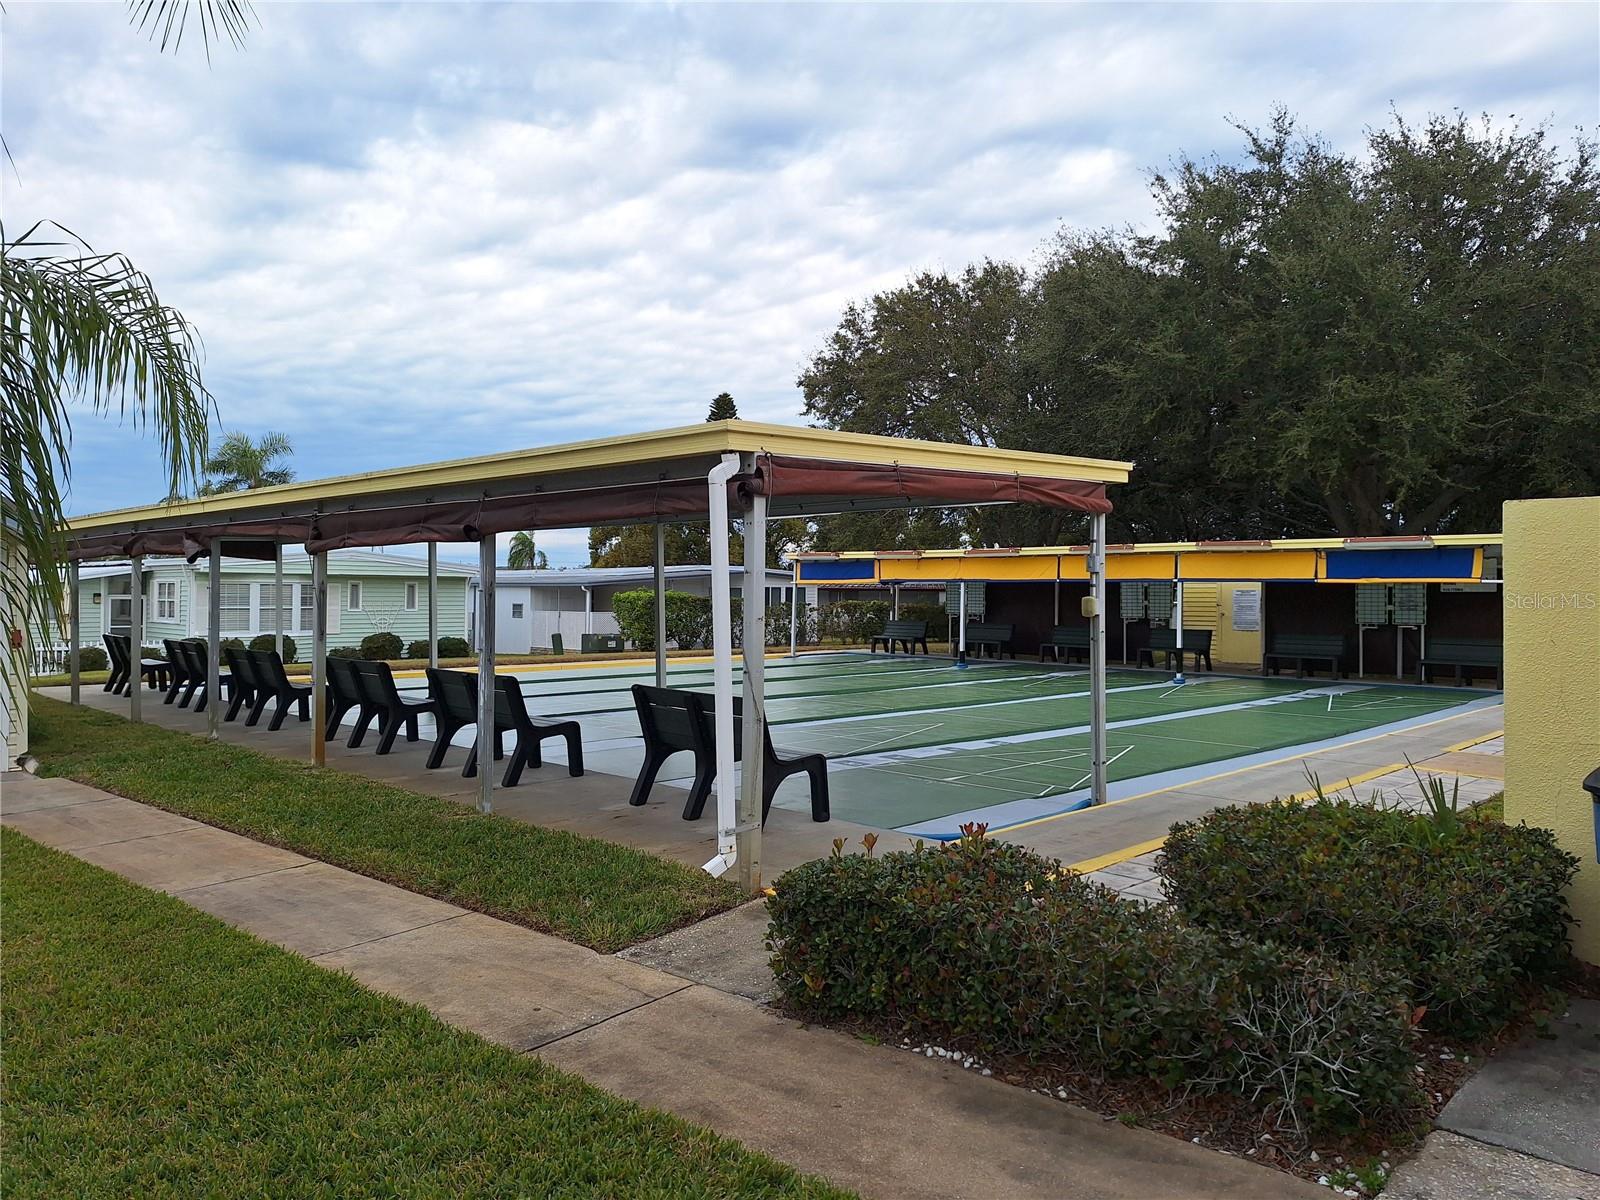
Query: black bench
pixel 1466 655
pixel 672 720
pixel 1165 642
pixel 260 677
pixel 1073 639
pixel 1303 648
pixel 909 634
pixel 190 661
pixel 455 693
pixel 992 636
pixel 379 698
pixel 153 672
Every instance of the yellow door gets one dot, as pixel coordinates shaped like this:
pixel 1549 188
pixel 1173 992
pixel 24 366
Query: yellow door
pixel 1238 637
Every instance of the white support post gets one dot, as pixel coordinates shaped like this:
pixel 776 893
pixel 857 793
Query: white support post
pixel 796 599
pixel 1057 618
pixel 894 601
pixel 588 610
pixel 74 629
pixel 659 578
pixel 1177 625
pixel 319 657
pixel 1098 597
pixel 214 641
pixel 277 595
pixel 961 626
pixel 486 763
pixel 433 604
pixel 755 703
pixel 136 637
pixel 722 664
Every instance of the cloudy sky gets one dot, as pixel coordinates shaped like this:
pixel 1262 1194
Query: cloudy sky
pixel 412 232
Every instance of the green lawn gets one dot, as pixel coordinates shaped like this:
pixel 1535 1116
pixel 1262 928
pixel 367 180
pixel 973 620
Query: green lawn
pixel 153 1051
pixel 583 889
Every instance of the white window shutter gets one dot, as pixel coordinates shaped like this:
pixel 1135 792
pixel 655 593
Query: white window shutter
pixel 336 603
pixel 200 613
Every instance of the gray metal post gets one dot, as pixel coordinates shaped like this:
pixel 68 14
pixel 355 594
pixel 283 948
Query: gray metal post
pixel 748 839
pixel 74 628
pixel 486 763
pixel 319 657
pixel 1097 656
pixel 659 578
pixel 136 637
pixel 433 604
pixel 1177 625
pixel 961 625
pixel 277 596
pixel 797 597
pixel 894 601
pixel 214 642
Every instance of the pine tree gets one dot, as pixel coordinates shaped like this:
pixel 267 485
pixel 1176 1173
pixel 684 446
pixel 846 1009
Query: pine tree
pixel 723 408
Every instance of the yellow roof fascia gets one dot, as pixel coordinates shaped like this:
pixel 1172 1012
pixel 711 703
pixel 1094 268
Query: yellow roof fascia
pixel 687 441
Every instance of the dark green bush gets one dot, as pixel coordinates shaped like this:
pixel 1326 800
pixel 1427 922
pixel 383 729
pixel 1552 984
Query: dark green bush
pixel 1472 913
pixel 777 620
pixel 92 658
pixel 382 645
pixel 852 621
pixel 688 618
pixel 345 652
pixel 449 647
pixel 267 641
pixel 232 643
pixel 938 620
pixel 987 946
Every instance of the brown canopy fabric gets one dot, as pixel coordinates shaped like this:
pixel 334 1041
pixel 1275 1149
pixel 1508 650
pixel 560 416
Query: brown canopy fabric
pixel 795 485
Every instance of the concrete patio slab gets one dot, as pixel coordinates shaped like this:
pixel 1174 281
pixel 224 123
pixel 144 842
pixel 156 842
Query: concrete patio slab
pixel 889 1124
pixel 27 793
pixel 316 908
pixel 1451 1167
pixel 503 982
pixel 727 952
pixel 75 826
pixel 1540 1096
pixel 189 858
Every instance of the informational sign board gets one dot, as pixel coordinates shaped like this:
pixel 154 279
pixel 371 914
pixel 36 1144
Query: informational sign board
pixel 952 597
pixel 1247 610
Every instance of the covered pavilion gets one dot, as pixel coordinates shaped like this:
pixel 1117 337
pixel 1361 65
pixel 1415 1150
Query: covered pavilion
pixel 706 472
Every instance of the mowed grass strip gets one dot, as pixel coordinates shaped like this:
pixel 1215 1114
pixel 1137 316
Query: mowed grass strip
pixel 586 890
pixel 153 1051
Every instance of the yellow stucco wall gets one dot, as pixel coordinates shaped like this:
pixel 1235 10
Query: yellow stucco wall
pixel 1552 641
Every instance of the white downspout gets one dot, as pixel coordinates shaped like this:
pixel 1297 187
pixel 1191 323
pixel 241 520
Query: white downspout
pixel 722 664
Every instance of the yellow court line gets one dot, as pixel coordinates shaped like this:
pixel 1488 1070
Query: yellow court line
pixel 1477 741
pixel 1134 851
pixel 1277 762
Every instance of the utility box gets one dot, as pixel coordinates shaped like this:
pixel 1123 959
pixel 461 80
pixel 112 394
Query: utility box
pixel 601 643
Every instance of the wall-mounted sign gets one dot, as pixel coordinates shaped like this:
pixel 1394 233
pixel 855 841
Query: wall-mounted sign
pixel 1247 610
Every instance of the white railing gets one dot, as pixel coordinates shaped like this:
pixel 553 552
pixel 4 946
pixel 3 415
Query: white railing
pixel 49 658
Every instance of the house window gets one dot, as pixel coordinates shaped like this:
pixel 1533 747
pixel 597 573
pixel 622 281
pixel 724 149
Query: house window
pixel 268 596
pixel 353 603
pixel 306 594
pixel 167 600
pixel 516 612
pixel 234 601
pixel 411 597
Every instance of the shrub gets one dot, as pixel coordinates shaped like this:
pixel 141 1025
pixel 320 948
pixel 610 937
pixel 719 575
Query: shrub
pixel 1471 912
pixel 382 645
pixel 938 620
pixel 449 647
pixel 986 945
pixel 92 658
pixel 688 618
pixel 777 620
pixel 231 643
pixel 852 621
pixel 267 641
pixel 345 652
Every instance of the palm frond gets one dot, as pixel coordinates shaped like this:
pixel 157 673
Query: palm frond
pixel 168 19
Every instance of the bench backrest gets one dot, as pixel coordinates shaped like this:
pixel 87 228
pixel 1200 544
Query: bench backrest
pixel 178 656
pixel 269 669
pixel 456 694
pixel 1070 635
pixel 510 707
pixel 905 629
pixel 1466 650
pixel 680 720
pixel 117 648
pixel 197 653
pixel 243 668
pixel 1311 645
pixel 374 682
pixel 342 680
pixel 1193 639
pixel 990 631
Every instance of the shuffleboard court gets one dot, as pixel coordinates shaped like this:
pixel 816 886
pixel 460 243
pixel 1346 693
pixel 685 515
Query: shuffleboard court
pixel 921 745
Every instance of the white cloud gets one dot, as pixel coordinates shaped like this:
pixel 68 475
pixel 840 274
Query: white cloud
pixel 416 232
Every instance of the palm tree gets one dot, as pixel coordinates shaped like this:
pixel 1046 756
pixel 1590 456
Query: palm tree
pixel 240 464
pixel 524 555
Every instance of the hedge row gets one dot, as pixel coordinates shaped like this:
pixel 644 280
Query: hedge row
pixel 1472 912
pixel 990 947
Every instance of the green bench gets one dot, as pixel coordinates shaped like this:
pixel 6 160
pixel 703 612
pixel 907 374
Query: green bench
pixel 1165 642
pixel 1072 639
pixel 909 634
pixel 1303 648
pixel 993 636
pixel 1465 655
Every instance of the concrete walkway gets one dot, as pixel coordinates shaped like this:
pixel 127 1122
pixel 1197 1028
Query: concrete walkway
pixel 880 1121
